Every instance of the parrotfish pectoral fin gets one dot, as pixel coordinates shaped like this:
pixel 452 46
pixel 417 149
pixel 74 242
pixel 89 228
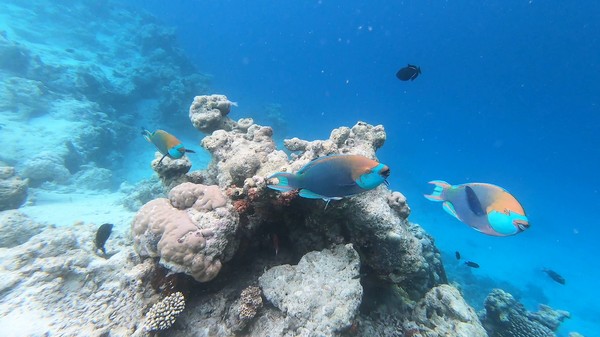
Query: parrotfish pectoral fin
pixel 474 203
pixel 161 159
pixel 448 207
pixel 312 195
pixel 440 186
pixel 285 182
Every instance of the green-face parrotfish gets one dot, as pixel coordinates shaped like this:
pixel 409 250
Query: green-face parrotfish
pixel 485 207
pixel 167 144
pixel 333 177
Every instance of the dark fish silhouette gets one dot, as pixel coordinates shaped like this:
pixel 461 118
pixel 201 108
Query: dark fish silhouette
pixel 409 72
pixel 472 264
pixel 102 235
pixel 555 276
pixel 457 254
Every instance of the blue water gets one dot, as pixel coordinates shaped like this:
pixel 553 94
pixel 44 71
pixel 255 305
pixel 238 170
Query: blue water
pixel 509 94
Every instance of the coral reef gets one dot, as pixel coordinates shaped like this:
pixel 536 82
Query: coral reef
pixel 13 190
pixel 54 284
pixel 163 314
pixel 191 232
pixel 315 302
pixel 506 317
pixel 142 192
pixel 16 228
pixel 209 113
pixel 171 171
pixel 443 312
pixel 45 167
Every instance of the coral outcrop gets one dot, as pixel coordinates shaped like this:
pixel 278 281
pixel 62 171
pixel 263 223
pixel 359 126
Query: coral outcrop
pixel 505 317
pixel 13 189
pixel 315 302
pixel 443 312
pixel 192 232
pixel 16 228
pixel 209 113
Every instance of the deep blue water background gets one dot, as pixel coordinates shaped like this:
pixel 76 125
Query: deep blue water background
pixel 509 94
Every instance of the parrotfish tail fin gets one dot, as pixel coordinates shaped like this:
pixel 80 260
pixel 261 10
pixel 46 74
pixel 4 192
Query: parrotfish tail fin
pixel 147 134
pixel 285 182
pixel 439 188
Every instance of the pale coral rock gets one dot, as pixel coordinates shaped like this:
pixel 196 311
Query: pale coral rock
pixel 397 202
pixel 443 312
pixel 16 228
pixel 316 302
pixel 45 166
pixel 13 189
pixel 237 156
pixel 209 113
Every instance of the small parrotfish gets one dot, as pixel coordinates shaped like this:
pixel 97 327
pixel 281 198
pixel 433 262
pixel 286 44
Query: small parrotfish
pixel 167 144
pixel 333 177
pixel 555 276
pixel 486 208
pixel 410 72
pixel 102 235
pixel 472 264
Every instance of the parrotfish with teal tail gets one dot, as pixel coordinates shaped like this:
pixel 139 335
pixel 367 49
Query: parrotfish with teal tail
pixel 167 144
pixel 487 208
pixel 333 177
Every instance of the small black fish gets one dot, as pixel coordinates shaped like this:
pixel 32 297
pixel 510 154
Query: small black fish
pixel 555 276
pixel 472 264
pixel 409 72
pixel 102 235
pixel 457 254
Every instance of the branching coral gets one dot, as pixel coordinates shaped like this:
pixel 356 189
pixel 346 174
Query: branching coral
pixel 163 314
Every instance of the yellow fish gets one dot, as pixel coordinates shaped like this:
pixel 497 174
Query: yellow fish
pixel 166 144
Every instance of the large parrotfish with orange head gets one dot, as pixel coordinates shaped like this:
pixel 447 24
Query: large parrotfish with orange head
pixel 485 207
pixel 167 144
pixel 333 177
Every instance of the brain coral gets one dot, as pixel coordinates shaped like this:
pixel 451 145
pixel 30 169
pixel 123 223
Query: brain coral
pixel 191 232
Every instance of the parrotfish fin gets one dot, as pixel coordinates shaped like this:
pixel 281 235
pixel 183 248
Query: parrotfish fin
pixel 286 181
pixel 448 207
pixel 190 151
pixel 147 134
pixel 474 203
pixel 161 159
pixel 311 195
pixel 440 186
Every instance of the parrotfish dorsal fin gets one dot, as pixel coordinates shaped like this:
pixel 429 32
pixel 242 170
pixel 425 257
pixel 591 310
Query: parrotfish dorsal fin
pixel 473 201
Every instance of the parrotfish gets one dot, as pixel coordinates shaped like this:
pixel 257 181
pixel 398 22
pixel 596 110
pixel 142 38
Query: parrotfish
pixel 333 177
pixel 485 207
pixel 472 264
pixel 167 144
pixel 555 276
